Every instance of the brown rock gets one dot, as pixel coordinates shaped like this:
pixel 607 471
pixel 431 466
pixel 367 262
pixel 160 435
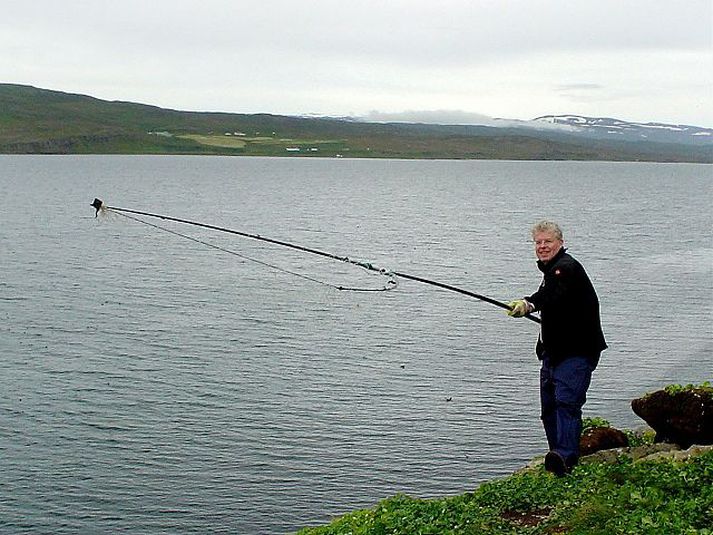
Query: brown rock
pixel 684 417
pixel 601 438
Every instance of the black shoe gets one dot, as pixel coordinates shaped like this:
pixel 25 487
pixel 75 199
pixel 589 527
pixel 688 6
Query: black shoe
pixel 556 464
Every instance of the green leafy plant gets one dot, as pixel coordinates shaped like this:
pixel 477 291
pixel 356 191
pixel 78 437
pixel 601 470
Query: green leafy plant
pixel 640 438
pixel 646 497
pixel 624 497
pixel 595 421
pixel 675 388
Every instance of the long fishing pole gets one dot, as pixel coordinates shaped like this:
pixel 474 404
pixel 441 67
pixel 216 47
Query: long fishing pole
pixel 98 205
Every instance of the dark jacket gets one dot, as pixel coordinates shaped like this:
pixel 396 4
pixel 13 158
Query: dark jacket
pixel 569 309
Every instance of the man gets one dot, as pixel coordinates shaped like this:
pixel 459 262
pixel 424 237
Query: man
pixel 569 345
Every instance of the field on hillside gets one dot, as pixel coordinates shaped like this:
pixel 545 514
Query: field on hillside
pixel 268 144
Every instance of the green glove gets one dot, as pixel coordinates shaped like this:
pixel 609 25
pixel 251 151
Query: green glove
pixel 518 308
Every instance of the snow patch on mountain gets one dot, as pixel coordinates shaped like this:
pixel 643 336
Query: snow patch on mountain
pixel 604 127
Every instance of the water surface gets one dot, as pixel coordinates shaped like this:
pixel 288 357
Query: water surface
pixel 150 384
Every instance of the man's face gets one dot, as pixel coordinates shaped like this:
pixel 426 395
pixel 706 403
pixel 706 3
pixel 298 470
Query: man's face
pixel 546 245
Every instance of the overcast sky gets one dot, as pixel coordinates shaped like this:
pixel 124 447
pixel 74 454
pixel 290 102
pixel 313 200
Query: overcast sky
pixel 518 59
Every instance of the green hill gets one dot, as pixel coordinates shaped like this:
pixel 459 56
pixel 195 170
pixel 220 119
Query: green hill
pixel 40 121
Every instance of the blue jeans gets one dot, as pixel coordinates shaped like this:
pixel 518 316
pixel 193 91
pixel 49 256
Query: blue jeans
pixel 563 391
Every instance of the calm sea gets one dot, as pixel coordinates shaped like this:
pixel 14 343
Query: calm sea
pixel 151 384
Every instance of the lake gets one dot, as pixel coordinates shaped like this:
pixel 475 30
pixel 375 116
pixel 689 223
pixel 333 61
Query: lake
pixel 152 384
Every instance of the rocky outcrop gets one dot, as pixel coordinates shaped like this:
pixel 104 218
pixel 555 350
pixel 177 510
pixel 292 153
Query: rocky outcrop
pixel 601 438
pixel 683 417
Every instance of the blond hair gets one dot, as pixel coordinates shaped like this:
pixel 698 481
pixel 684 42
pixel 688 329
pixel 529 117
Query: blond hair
pixel 549 227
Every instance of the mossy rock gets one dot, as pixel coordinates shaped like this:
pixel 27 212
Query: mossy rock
pixel 680 415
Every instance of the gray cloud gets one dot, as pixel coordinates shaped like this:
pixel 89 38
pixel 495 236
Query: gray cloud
pixel 517 58
pixel 455 117
pixel 452 117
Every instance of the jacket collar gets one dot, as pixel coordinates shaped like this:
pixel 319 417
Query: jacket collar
pixel 544 267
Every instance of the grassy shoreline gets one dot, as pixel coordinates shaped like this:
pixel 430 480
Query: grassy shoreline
pixel 645 488
pixel 653 496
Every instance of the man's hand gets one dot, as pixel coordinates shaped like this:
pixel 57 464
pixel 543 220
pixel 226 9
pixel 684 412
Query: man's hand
pixel 519 308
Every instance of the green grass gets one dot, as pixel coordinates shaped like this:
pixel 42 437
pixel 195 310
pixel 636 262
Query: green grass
pixel 626 497
pixel 703 387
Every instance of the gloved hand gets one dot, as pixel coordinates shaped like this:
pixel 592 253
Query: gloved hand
pixel 518 308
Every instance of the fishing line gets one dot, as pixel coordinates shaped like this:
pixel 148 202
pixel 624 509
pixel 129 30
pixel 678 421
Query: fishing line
pixel 390 284
pixel 99 205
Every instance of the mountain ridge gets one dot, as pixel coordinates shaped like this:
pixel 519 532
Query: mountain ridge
pixel 42 121
pixel 607 126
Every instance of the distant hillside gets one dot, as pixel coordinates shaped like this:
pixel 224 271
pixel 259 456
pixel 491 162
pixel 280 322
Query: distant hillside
pixel 40 121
